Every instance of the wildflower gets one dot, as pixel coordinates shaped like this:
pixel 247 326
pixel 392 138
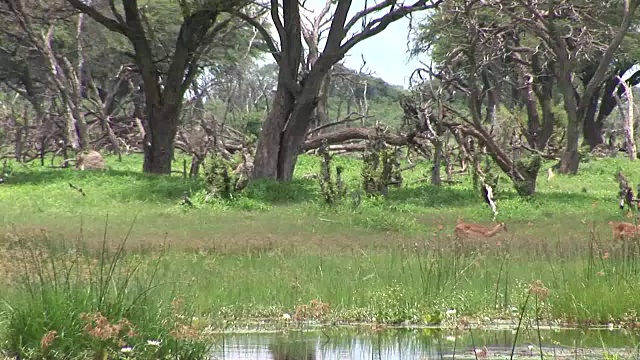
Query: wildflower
pixel 537 288
pixel 450 338
pixel 47 339
pixel 610 326
pixel 126 349
pixel 153 342
pixel 451 312
pixel 286 316
pixel 530 347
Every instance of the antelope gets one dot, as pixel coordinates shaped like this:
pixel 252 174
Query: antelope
pixel 623 230
pixel 469 230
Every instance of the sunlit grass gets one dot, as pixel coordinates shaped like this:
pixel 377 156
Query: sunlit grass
pixel 42 196
pixel 277 249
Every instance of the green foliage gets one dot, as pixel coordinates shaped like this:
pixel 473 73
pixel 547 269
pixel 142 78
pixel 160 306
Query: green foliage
pixel 529 166
pixel 221 180
pixel 253 123
pixel 381 166
pixel 332 190
pixel 390 306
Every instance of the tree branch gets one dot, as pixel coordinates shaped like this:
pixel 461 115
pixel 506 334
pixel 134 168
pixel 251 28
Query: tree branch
pixel 271 44
pixel 113 25
pixel 378 25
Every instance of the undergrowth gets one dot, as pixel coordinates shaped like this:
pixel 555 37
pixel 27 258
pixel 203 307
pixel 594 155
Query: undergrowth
pixel 63 301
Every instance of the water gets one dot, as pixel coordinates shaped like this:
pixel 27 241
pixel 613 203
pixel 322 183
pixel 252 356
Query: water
pixel 405 344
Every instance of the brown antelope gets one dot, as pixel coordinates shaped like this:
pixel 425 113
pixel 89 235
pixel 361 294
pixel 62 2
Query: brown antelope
pixel 474 230
pixel 622 230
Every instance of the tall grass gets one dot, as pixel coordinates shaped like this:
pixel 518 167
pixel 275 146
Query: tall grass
pixel 66 301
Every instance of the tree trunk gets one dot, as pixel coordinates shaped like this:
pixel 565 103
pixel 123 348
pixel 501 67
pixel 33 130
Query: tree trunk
pixel 436 179
pixel 81 126
pixel 295 133
pixel 548 122
pixel 196 162
pixel 570 159
pixel 628 122
pixel 592 129
pixel 267 159
pixel 322 109
pixel 268 146
pixel 543 88
pixel 160 132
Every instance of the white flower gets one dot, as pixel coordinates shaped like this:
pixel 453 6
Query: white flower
pixel 610 326
pixel 450 338
pixel 286 316
pixel 153 342
pixel 126 349
pixel 451 312
pixel 530 347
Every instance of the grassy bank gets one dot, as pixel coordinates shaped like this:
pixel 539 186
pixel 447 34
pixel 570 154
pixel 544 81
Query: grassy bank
pixel 278 251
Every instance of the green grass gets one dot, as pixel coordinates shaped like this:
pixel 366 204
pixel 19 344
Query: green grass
pixel 277 248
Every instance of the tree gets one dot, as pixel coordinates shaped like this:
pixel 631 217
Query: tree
pixel 163 93
pixel 556 42
pixel 490 64
pixel 297 92
pixel 545 22
pixel 35 30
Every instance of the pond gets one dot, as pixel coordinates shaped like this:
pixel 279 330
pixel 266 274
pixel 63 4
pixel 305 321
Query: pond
pixel 401 344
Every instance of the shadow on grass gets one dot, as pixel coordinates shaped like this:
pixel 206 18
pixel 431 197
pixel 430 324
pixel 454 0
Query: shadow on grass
pixel 429 196
pixel 139 186
pixel 273 192
pixel 133 185
pixel 434 196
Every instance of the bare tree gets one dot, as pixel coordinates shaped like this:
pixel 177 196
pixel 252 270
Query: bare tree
pixel 163 95
pixel 297 92
pixel 483 52
pixel 63 73
pixel 544 21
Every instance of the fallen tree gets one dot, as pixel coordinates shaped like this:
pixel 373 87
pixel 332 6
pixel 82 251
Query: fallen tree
pixel 344 135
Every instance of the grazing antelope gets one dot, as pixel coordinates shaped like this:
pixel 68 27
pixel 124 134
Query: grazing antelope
pixel 474 230
pixel 623 230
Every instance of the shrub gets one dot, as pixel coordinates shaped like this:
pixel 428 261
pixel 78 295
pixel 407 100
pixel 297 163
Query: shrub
pixel 381 166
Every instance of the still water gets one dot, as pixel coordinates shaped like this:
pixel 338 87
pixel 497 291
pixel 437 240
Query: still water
pixel 401 344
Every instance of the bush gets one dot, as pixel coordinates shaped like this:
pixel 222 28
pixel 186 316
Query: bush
pixel 381 166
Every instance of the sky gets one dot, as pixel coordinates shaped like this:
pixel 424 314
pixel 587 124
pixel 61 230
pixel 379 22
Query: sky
pixel 386 54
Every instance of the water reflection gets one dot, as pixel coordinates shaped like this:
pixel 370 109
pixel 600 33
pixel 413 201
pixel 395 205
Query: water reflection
pixel 354 344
